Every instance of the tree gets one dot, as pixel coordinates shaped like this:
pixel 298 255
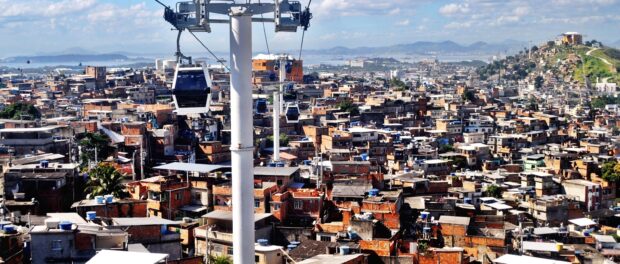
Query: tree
pixel 460 162
pixel 220 259
pixel 20 109
pixel 493 191
pixel 534 49
pixel 283 139
pixel 348 106
pixel 105 179
pixel 91 142
pixel 538 82
pixel 469 96
pixel 611 171
pixel 398 84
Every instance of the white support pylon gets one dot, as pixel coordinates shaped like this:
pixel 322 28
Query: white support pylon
pixel 276 126
pixel 242 135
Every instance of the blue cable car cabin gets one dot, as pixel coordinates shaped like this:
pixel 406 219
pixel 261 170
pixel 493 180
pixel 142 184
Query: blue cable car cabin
pixel 260 106
pixel 292 113
pixel 191 89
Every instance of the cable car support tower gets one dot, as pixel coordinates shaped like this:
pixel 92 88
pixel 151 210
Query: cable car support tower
pixel 195 16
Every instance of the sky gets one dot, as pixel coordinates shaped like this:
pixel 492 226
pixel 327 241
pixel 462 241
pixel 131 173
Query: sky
pixel 30 27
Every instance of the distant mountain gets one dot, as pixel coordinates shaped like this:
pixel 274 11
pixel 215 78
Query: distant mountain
pixel 71 50
pixel 428 47
pixel 616 44
pixel 65 58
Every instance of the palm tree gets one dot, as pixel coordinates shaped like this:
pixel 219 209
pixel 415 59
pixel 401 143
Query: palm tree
pixel 105 179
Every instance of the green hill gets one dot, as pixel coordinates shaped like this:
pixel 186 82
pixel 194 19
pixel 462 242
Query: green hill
pixel 568 63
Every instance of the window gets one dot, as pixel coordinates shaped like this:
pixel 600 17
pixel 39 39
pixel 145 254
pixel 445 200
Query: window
pixel 276 206
pixel 229 251
pixel 256 203
pixel 56 245
pixel 178 196
pixel 299 204
pixel 256 258
pixel 326 238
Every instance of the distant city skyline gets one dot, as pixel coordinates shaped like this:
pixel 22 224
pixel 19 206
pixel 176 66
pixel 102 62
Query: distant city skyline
pixel 31 27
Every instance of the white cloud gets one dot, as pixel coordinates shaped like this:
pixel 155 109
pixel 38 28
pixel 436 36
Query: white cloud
pixel 336 8
pixel 403 23
pixel 453 9
pixel 457 25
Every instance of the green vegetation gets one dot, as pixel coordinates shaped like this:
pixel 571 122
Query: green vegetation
pixel 19 110
pixel 469 96
pixel 538 82
pixel 283 140
pixel 459 162
pixel 348 106
pixel 105 179
pixel 592 67
pixel 611 172
pixel 91 142
pixel 493 191
pixel 398 84
pixel 600 102
pixel 220 259
pixel 446 148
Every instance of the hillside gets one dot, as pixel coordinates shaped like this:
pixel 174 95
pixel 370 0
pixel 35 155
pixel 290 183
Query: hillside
pixel 567 63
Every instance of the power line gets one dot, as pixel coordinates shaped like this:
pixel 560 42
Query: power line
pixel 265 32
pixel 221 61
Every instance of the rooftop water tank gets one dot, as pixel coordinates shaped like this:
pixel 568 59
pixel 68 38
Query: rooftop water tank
pixel 9 229
pixel 65 225
pixel 291 247
pixel 99 199
pixel 373 192
pixel 344 250
pixel 109 198
pixel 4 223
pixel 424 215
pixel 263 242
pixel 91 215
pixel 44 164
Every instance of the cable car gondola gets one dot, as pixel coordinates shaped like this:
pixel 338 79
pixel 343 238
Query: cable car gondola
pixel 260 107
pixel 191 89
pixel 292 113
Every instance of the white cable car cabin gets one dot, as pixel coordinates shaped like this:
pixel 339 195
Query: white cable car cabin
pixel 191 89
pixel 292 113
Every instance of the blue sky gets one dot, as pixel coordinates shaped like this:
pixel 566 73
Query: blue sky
pixel 42 26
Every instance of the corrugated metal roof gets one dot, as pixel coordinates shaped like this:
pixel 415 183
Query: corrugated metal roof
pixel 516 259
pixel 115 256
pixel 454 220
pixel 540 246
pixel 141 221
pixel 227 215
pixel 190 167
pixel 275 171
